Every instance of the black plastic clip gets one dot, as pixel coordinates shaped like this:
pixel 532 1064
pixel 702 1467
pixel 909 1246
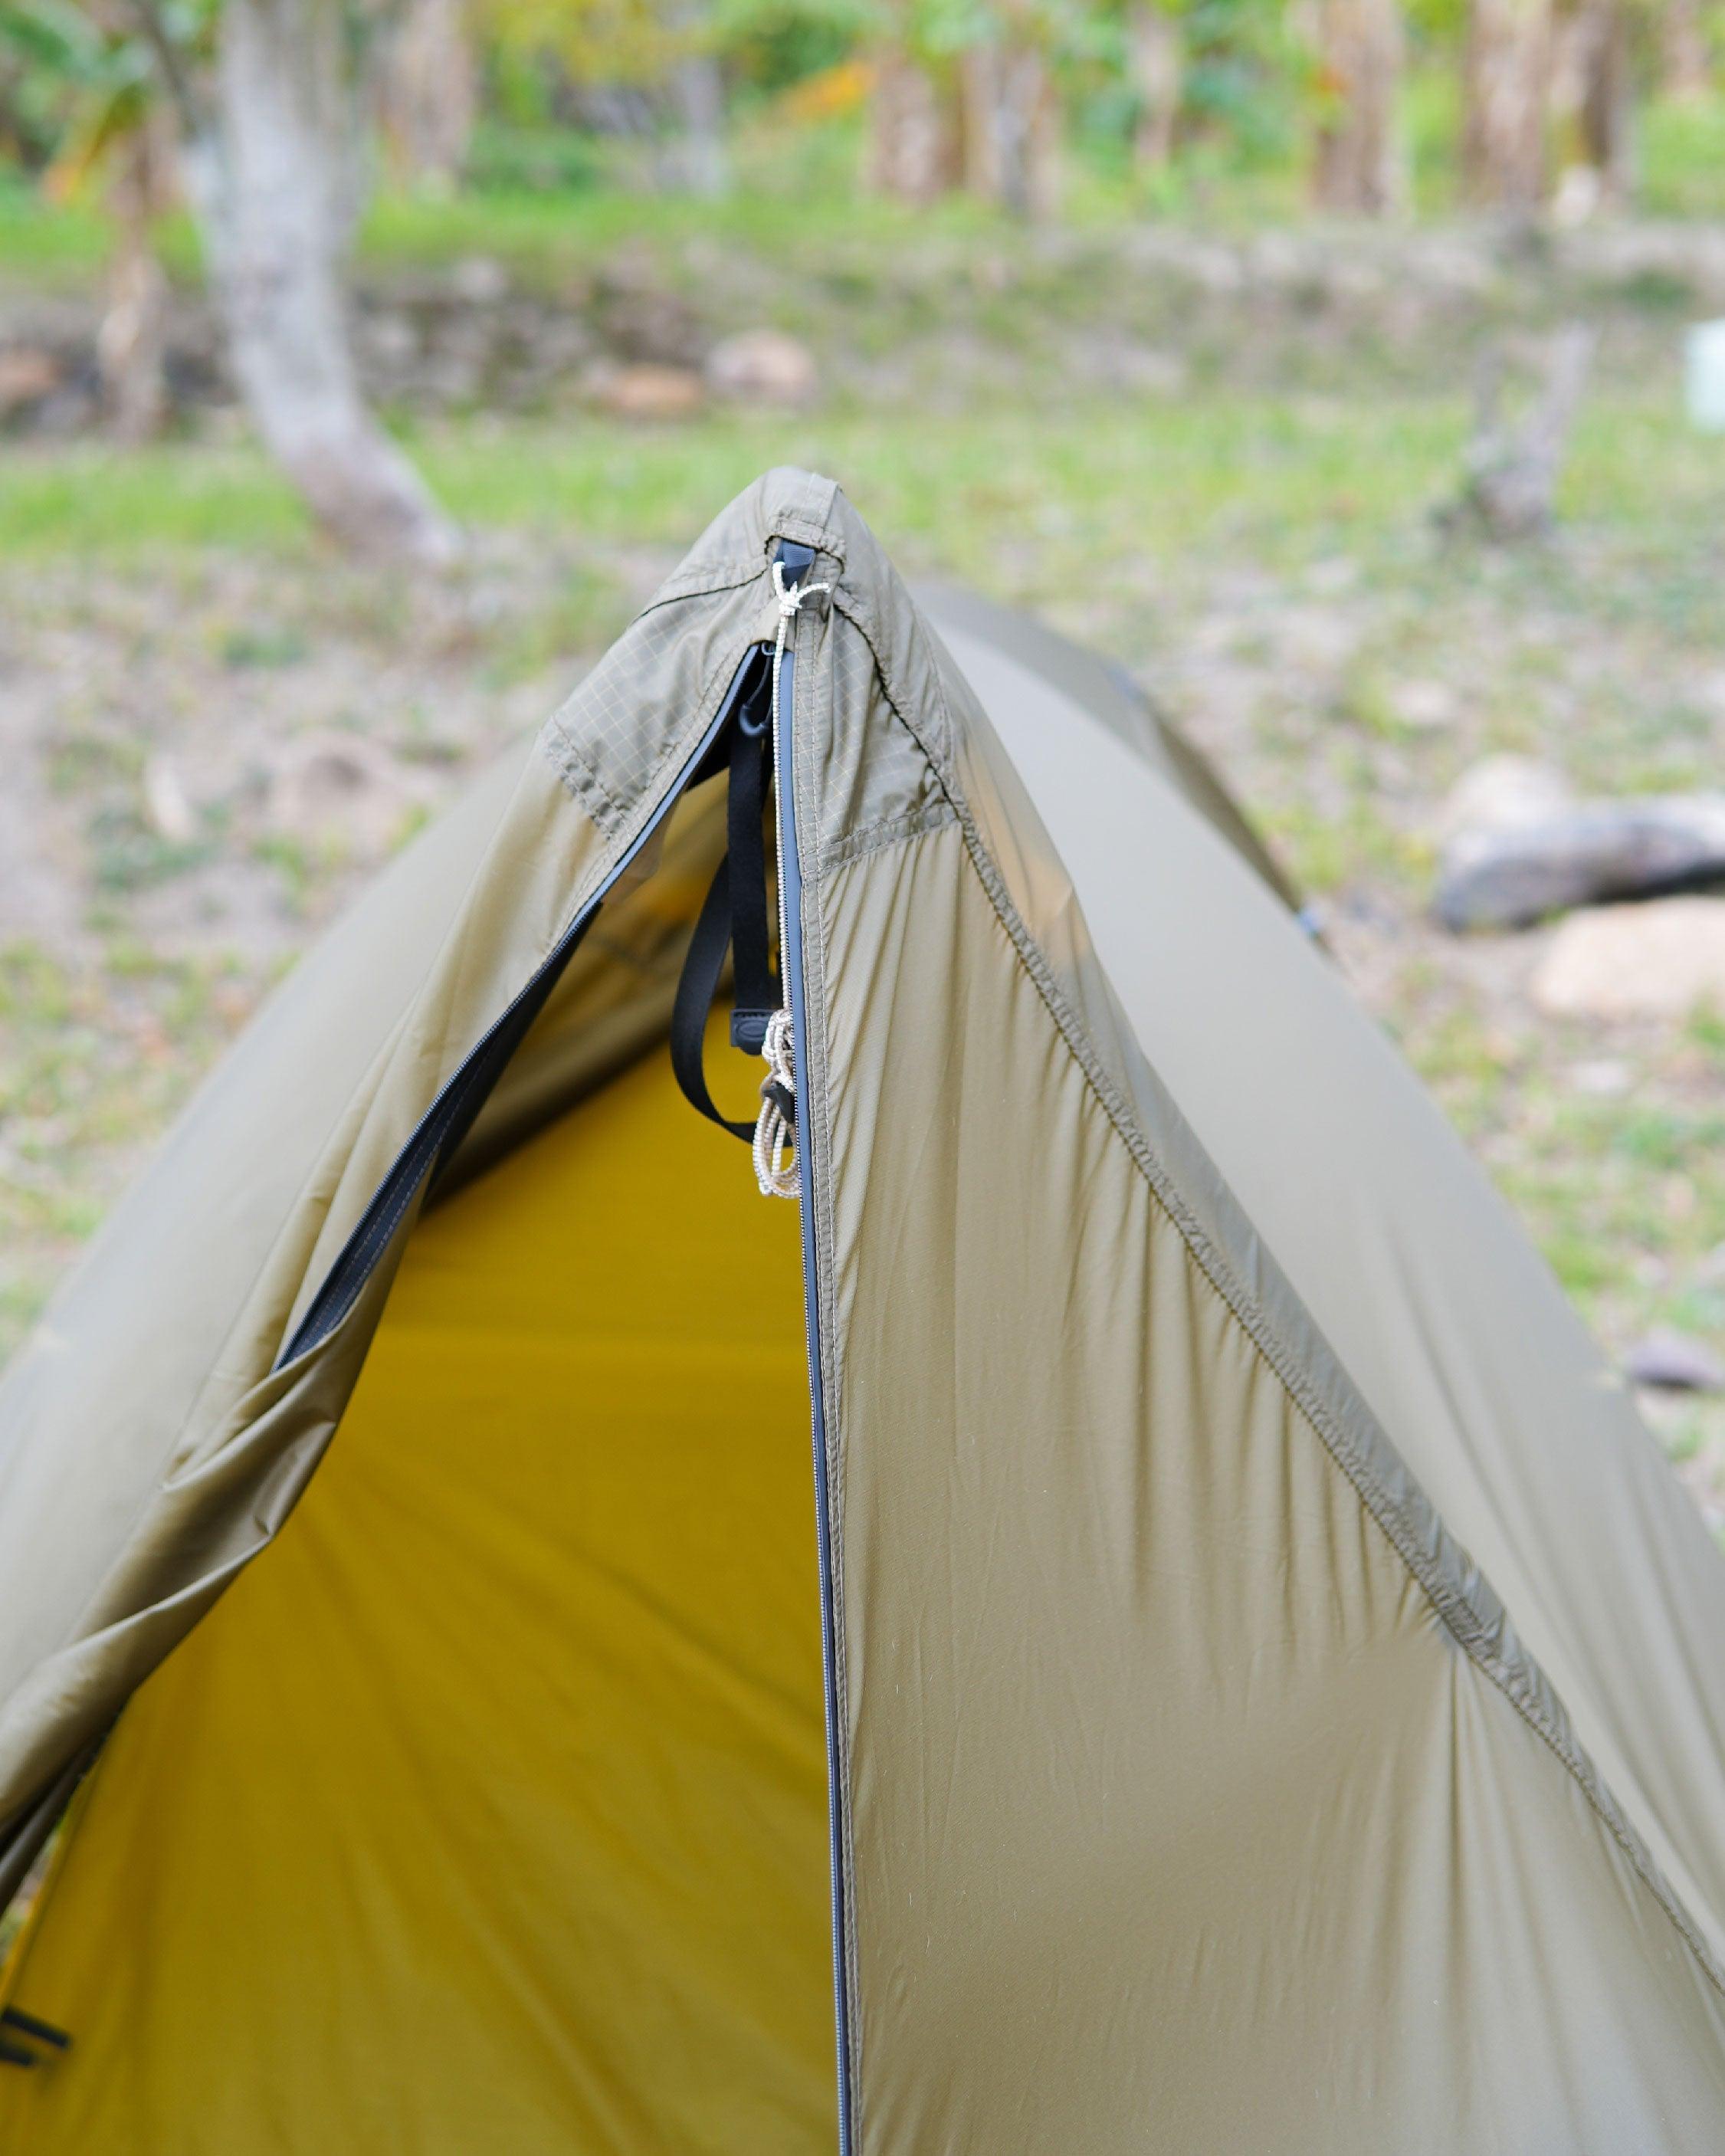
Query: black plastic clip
pixel 796 560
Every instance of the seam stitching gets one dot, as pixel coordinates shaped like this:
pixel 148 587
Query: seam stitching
pixel 887 831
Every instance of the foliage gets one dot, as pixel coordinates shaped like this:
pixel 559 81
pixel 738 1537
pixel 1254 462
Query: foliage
pixel 78 83
pixel 591 41
pixel 559 76
pixel 771 46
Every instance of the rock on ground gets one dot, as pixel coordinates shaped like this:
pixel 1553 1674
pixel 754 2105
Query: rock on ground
pixel 1675 1362
pixel 648 391
pixel 338 789
pixel 1659 960
pixel 1502 793
pixel 762 366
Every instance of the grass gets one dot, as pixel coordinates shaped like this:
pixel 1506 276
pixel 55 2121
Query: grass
pixel 1259 546
pixel 1681 148
pixel 93 1060
pixel 1105 489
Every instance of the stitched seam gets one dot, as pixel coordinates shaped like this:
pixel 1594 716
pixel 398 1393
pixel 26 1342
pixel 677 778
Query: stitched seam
pixel 580 779
pixel 941 763
pixel 888 831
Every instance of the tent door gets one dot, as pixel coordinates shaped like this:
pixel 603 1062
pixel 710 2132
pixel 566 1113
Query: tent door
pixel 734 918
pixel 452 1113
pixel 450 1116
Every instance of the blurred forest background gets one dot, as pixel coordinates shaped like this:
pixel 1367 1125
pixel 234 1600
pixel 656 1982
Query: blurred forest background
pixel 364 363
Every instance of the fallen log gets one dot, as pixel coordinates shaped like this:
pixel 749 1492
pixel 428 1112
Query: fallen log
pixel 1597 850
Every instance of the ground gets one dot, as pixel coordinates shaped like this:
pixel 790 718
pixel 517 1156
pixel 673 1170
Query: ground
pixel 1215 459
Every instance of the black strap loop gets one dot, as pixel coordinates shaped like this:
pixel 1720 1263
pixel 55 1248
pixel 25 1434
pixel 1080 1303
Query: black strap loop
pixel 28 2024
pixel 756 988
pixel 733 917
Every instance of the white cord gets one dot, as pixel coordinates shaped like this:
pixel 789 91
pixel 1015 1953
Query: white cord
pixel 775 1134
pixel 790 599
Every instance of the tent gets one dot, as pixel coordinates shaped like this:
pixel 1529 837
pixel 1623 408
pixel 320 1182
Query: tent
pixel 1246 1680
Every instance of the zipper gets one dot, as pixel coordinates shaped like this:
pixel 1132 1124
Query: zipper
pixel 448 1120
pixel 790 946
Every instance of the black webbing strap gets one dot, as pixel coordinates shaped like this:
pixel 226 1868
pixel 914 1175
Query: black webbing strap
pixel 27 2025
pixel 733 918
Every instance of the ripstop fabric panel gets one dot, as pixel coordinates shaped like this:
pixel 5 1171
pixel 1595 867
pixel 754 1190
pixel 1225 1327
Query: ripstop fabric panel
pixel 1443 1314
pixel 1178 1820
pixel 487 1812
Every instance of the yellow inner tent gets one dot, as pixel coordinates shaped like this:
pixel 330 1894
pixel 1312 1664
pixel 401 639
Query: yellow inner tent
pixel 487 1812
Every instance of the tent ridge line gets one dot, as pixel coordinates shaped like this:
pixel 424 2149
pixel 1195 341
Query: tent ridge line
pixel 728 572
pixel 1522 1682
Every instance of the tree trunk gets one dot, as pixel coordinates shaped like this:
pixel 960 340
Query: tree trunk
pixel 911 140
pixel 697 89
pixel 1506 66
pixel 429 92
pixel 1685 64
pixel 276 180
pixel 131 342
pixel 1358 165
pixel 1156 65
pixel 1011 129
pixel 1513 466
pixel 1606 107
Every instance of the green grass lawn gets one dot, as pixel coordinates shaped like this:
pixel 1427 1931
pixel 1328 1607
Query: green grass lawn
pixel 1100 484
pixel 1260 549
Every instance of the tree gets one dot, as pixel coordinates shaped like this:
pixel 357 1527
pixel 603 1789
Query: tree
pixel 428 91
pixel 93 96
pixel 1358 168
pixel 912 132
pixel 1507 72
pixel 1604 97
pixel 1685 63
pixel 662 56
pixel 697 96
pixel 1010 114
pixel 132 343
pixel 914 142
pixel 965 96
pixel 1156 69
pixel 275 137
